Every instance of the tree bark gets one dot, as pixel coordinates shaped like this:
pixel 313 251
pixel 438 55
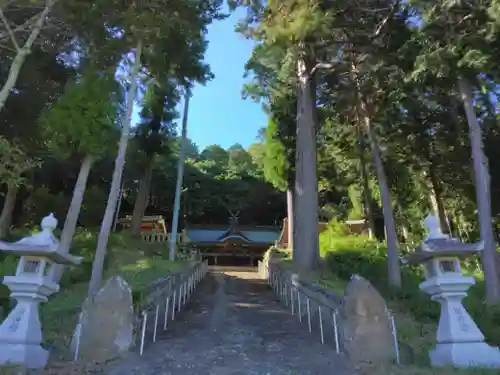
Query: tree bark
pixel 289 209
pixel 306 236
pixel 109 213
pixel 8 207
pixel 482 182
pixel 142 198
pixel 22 53
pixel 394 272
pixel 437 201
pixel 367 195
pixel 73 213
pixel 180 177
pixel 405 233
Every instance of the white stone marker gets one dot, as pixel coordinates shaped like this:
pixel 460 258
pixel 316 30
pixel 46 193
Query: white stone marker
pixel 459 342
pixel 21 333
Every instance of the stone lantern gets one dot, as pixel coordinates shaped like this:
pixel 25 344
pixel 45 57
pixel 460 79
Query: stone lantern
pixel 20 333
pixel 459 342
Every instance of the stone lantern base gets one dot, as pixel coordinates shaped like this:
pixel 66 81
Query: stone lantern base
pixel 466 354
pixel 30 356
pixel 21 334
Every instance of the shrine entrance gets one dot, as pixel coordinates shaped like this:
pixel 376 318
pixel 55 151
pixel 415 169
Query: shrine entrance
pixel 233 244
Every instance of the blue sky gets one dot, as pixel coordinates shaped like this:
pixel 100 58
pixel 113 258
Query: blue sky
pixel 217 113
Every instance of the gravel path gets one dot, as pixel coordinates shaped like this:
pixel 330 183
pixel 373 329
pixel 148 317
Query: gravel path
pixel 235 326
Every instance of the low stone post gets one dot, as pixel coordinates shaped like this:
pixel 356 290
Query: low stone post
pixel 21 333
pixel 459 342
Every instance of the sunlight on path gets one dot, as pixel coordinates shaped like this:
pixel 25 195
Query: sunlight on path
pixel 235 326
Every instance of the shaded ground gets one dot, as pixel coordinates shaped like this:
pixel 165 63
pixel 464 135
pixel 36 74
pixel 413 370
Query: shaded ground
pixel 235 326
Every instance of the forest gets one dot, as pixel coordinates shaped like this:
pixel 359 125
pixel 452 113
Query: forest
pixel 384 110
pixel 391 105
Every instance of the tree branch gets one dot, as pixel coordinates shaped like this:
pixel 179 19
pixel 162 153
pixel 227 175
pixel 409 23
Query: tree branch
pixel 9 30
pixel 384 22
pixel 7 48
pixel 39 24
pixel 322 65
pixel 33 19
pixel 21 27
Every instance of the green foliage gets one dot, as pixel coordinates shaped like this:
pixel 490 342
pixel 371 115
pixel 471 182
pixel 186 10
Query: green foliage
pixel 456 38
pixel 348 255
pixel 126 257
pixel 211 188
pixel 93 206
pixel 83 121
pixel 84 244
pixel 8 266
pixel 14 163
pixel 240 161
pixel 155 132
pixel 41 202
pixel 216 154
pixel 328 239
pixel 257 151
pixel 279 140
pixel 275 161
pixel 355 196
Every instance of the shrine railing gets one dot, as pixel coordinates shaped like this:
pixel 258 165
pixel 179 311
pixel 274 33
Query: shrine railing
pixel 166 299
pixel 321 317
pixel 159 237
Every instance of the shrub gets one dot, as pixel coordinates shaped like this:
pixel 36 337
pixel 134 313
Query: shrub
pixel 350 255
pixel 93 207
pixel 7 267
pixel 84 244
pixel 42 202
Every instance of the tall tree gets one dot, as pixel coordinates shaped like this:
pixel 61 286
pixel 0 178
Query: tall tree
pixel 41 81
pixel 14 164
pixel 279 159
pixel 453 45
pixel 144 26
pixel 153 136
pixel 287 32
pixel 180 178
pixel 82 124
pixel 12 33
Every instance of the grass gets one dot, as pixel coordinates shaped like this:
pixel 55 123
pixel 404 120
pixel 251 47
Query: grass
pixel 415 314
pixel 137 263
pixel 416 370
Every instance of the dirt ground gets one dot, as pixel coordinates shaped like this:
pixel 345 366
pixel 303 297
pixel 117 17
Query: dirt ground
pixel 235 326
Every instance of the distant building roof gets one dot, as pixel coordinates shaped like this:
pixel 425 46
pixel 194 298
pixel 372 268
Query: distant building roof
pixel 256 235
pixel 283 237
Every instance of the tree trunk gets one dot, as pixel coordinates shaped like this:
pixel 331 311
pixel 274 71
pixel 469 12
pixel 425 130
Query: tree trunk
pixel 109 213
pixel 437 201
pixel 22 53
pixel 482 182
pixel 118 206
pixel 142 199
pixel 289 209
pixel 367 195
pixel 306 236
pixel 405 233
pixel 394 273
pixel 180 176
pixel 73 213
pixel 8 207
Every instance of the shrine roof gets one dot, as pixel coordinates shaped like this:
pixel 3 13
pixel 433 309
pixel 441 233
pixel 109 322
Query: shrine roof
pixel 257 235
